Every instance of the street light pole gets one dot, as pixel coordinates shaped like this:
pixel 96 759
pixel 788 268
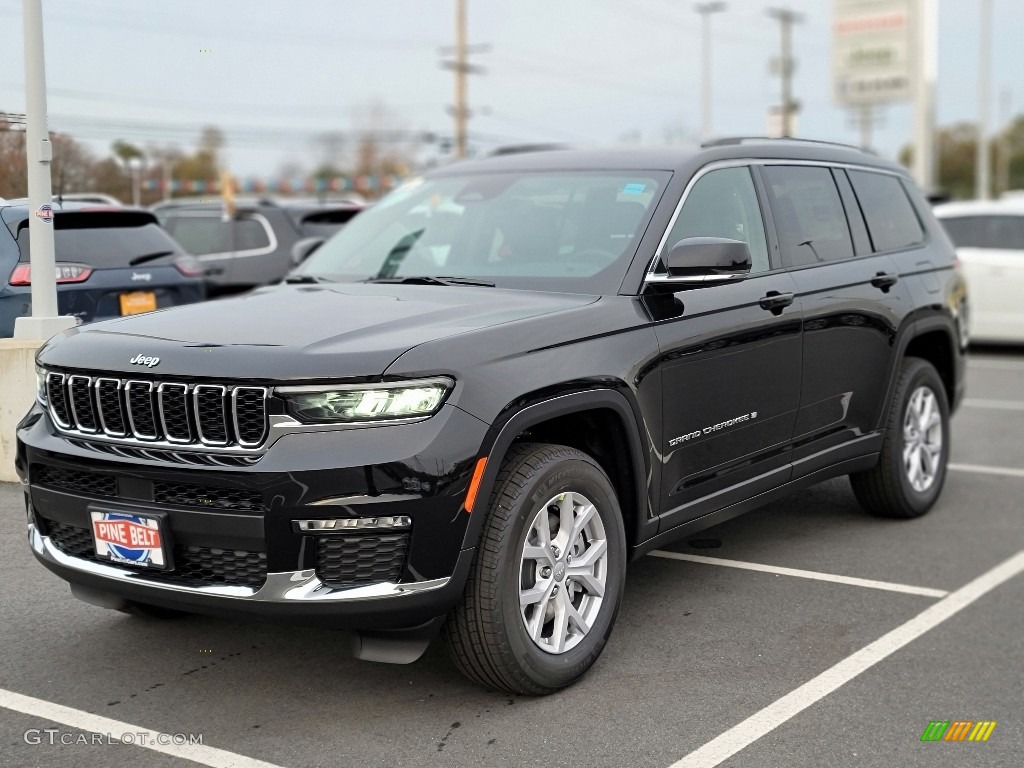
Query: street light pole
pixel 982 182
pixel 705 10
pixel 925 70
pixel 44 321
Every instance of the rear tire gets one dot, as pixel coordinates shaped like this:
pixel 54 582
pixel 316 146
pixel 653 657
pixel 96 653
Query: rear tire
pixel 912 465
pixel 530 621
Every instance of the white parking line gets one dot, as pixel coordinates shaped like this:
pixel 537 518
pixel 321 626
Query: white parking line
pixel 775 714
pixel 995 365
pixel 85 721
pixel 994 405
pixel 889 586
pixel 981 469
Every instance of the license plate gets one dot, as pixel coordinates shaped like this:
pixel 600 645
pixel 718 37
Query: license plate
pixel 128 538
pixel 137 302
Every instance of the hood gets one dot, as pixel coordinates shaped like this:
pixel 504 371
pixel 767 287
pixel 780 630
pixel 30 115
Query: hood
pixel 293 332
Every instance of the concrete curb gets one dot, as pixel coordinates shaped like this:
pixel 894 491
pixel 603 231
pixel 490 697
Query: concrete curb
pixel 17 391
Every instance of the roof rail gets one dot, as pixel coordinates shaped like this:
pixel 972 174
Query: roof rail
pixel 730 141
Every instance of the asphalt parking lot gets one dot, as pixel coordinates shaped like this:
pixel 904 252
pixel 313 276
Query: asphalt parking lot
pixel 710 664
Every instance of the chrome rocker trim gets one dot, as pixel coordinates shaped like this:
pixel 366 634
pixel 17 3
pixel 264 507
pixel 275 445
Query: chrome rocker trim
pixel 285 587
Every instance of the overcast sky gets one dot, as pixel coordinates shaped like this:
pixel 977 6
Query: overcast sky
pixel 578 71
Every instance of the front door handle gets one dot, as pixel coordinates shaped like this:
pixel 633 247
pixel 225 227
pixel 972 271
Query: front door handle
pixel 885 281
pixel 776 301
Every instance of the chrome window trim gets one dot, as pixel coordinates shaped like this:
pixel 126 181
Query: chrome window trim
pixel 163 420
pixel 71 402
pixel 223 413
pixel 136 434
pixel 734 163
pixel 281 587
pixel 99 407
pixel 234 417
pixel 67 399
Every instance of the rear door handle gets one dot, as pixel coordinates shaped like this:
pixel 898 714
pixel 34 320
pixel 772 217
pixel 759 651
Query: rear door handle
pixel 885 281
pixel 776 301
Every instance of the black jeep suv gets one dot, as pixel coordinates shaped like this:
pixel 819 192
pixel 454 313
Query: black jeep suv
pixel 469 409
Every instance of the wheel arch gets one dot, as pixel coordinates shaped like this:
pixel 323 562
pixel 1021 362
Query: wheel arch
pixel 606 428
pixel 933 339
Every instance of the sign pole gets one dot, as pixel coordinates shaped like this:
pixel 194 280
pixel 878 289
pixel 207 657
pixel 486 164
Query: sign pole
pixel 44 321
pixel 925 68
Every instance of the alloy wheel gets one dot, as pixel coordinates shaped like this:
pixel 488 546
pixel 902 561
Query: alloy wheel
pixel 922 439
pixel 563 573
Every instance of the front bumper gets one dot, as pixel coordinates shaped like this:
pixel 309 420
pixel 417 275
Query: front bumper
pixel 238 550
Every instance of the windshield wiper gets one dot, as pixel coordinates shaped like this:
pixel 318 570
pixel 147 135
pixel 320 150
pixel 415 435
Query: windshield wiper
pixel 432 280
pixel 149 257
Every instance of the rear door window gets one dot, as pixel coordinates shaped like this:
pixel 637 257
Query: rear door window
pixel 809 217
pixel 892 222
pixel 105 240
pixel 1004 232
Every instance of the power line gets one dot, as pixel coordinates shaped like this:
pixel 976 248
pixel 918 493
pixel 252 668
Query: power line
pixel 274 35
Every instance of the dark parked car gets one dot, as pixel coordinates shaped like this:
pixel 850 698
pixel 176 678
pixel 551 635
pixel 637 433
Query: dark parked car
pixel 472 407
pixel 259 244
pixel 110 262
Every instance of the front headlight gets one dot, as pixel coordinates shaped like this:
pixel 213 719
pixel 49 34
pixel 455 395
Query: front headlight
pixel 366 402
pixel 41 386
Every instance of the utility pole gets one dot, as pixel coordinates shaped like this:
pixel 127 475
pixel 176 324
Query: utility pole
pixel 705 10
pixel 1003 166
pixel 866 119
pixel 925 70
pixel 461 66
pixel 982 181
pixel 44 321
pixel 786 64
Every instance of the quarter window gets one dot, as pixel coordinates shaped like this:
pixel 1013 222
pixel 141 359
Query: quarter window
pixel 723 203
pixel 204 233
pixel 890 216
pixel 809 216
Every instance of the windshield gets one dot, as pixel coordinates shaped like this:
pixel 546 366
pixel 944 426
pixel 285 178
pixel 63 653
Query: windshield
pixel 559 231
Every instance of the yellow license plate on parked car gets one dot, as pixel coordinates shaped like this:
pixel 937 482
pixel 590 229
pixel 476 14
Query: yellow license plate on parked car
pixel 137 302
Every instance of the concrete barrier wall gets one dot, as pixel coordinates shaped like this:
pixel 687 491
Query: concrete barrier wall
pixel 17 391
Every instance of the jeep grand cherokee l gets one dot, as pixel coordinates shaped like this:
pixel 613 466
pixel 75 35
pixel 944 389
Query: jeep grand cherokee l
pixel 473 406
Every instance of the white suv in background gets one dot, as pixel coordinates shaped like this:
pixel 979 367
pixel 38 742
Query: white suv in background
pixel 989 239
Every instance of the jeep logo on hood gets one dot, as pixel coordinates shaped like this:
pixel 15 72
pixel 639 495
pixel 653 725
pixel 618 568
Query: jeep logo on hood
pixel 143 360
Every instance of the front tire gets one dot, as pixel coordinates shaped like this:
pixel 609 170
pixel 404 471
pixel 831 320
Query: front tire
pixel 548 577
pixel 912 466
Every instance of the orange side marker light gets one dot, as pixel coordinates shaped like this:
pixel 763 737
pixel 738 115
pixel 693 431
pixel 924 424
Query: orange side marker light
pixel 474 483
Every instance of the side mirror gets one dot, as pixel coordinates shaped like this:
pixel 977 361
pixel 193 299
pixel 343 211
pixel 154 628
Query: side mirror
pixel 303 248
pixel 708 259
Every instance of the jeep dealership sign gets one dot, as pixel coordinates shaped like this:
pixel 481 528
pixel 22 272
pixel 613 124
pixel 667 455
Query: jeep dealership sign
pixel 872 50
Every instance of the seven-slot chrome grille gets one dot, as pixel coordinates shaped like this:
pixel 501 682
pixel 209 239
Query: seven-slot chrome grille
pixel 158 412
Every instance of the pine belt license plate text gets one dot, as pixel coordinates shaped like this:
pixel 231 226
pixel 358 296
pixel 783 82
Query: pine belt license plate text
pixel 137 302
pixel 128 538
